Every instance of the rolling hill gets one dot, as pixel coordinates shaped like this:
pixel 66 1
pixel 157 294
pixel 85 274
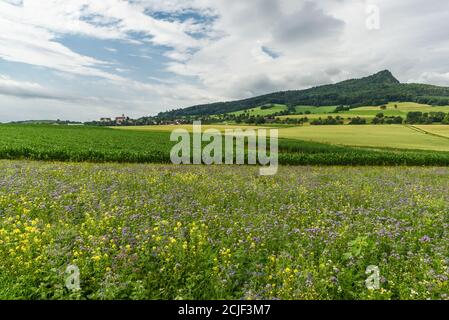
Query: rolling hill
pixel 373 90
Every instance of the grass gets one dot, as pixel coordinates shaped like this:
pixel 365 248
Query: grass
pixel 370 112
pixel 435 129
pixel 402 109
pixel 385 136
pixel 392 109
pixel 258 111
pixel 188 127
pixel 379 136
pixel 219 232
pixel 314 116
pixel 315 110
pixel 96 144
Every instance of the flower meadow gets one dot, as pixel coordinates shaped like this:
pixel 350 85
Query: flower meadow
pixel 141 231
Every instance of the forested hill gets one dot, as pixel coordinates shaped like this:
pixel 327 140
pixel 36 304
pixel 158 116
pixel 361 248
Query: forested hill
pixel 376 89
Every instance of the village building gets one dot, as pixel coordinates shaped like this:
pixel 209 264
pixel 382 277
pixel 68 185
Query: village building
pixel 120 120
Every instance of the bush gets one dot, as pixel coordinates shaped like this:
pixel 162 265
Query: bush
pixel 357 120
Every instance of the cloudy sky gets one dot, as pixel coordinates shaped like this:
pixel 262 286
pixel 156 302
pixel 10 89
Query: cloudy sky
pixel 84 59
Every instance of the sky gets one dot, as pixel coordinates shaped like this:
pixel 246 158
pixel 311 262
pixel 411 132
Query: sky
pixel 86 59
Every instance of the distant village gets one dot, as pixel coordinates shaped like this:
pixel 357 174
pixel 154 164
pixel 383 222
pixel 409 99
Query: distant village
pixel 124 120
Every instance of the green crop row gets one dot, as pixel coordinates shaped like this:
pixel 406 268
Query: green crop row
pixel 93 144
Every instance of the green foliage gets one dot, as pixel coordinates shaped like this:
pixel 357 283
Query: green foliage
pixel 446 120
pixel 419 117
pixel 356 247
pixel 267 106
pixel 381 119
pixel 265 110
pixel 342 108
pixel 327 121
pixel 357 120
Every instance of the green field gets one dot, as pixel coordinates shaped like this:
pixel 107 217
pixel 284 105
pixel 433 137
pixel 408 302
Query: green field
pixel 402 109
pixel 297 146
pixel 220 232
pixel 315 110
pixel 385 136
pixel 188 127
pixel 379 136
pixel 435 129
pixel 79 143
pixel 313 116
pixel 258 111
pixel 370 112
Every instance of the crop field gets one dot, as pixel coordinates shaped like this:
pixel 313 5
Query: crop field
pixel 379 136
pixel 96 144
pixel 218 232
pixel 77 143
pixel 386 136
pixel 188 127
pixel 435 129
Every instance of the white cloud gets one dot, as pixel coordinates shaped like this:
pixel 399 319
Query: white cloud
pixel 29 32
pixel 238 65
pixel 24 89
pixel 142 56
pixel 245 48
pixel 318 42
pixel 22 100
pixel 22 41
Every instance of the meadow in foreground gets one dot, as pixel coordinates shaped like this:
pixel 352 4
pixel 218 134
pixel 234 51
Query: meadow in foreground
pixel 191 232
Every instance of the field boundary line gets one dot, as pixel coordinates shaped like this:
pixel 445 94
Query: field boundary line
pixel 426 132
